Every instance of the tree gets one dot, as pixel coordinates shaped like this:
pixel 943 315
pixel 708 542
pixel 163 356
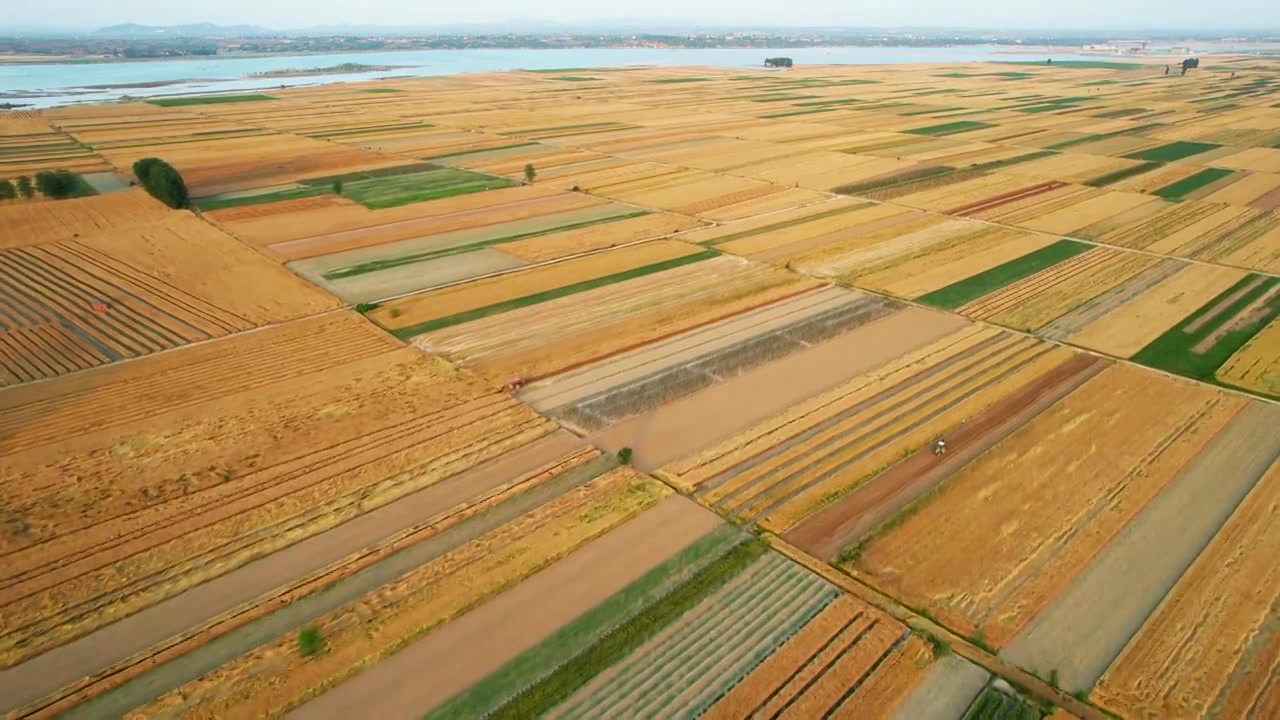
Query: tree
pixel 162 181
pixel 7 190
pixel 24 187
pixel 337 187
pixel 530 172
pixel 60 184
pixel 778 62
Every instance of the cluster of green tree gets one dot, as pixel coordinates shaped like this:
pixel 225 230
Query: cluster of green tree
pixel 162 181
pixel 55 185
pixel 778 62
pixel 1190 64
pixel 152 51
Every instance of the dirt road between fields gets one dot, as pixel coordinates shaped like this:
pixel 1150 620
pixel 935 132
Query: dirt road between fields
pixel 448 661
pixel 825 533
pixel 94 653
pixel 681 428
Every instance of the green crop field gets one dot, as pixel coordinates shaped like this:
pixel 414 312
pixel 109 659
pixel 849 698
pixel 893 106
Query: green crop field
pixel 208 100
pixel 1188 185
pixel 385 192
pixel 950 128
pixel 1173 151
pixel 974 287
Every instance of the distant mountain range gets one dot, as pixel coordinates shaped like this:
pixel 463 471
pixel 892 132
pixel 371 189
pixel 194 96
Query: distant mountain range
pixel 625 25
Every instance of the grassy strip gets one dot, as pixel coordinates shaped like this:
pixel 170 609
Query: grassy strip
pixel 1173 151
pixel 975 286
pixel 578 637
pixel 783 225
pixel 1081 64
pixel 930 111
pixel 1120 113
pixel 381 90
pixel 559 128
pixel 828 103
pixel 951 128
pixel 578 78
pixel 1050 107
pixel 565 71
pixel 1174 350
pixel 366 130
pixel 214 203
pixel 1016 160
pixel 783 98
pixel 1116 176
pixel 672 81
pixel 545 296
pixel 464 153
pixel 568 678
pixel 905 178
pixel 791 113
pixel 207 100
pixel 411 169
pixel 376 265
pixel 1102 136
pixel 1188 185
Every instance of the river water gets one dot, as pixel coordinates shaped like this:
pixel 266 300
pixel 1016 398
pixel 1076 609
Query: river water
pixel 42 85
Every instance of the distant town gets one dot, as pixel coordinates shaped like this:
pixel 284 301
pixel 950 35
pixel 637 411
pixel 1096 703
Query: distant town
pixel 140 42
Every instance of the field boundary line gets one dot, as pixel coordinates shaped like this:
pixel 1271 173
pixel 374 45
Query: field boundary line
pixel 962 647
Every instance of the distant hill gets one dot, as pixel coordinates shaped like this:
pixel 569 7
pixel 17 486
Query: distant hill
pixel 196 30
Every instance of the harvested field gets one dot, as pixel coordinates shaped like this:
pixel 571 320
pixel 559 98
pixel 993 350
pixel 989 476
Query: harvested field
pixel 840 447
pixel 844 522
pixel 1126 581
pixel 27 224
pixel 197 486
pixel 637 394
pixel 1045 296
pixel 1138 321
pixel 429 311
pixel 1139 430
pixel 275 677
pixel 684 428
pixel 916 274
pixel 1086 212
pixel 502 628
pixel 1110 301
pixel 228 602
pixel 1214 636
pixel 586 326
pixel 1256 365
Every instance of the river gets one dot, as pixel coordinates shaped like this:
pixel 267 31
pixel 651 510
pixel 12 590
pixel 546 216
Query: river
pixel 48 85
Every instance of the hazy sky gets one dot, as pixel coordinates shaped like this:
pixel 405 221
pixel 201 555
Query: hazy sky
pixel 1074 14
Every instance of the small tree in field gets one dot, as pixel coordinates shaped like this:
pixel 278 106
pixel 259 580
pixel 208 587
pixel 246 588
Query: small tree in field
pixel 310 641
pixel 25 188
pixel 7 190
pixel 337 187
pixel 162 181
pixel 530 172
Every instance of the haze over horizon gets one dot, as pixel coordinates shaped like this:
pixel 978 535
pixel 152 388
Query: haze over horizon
pixel 988 14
